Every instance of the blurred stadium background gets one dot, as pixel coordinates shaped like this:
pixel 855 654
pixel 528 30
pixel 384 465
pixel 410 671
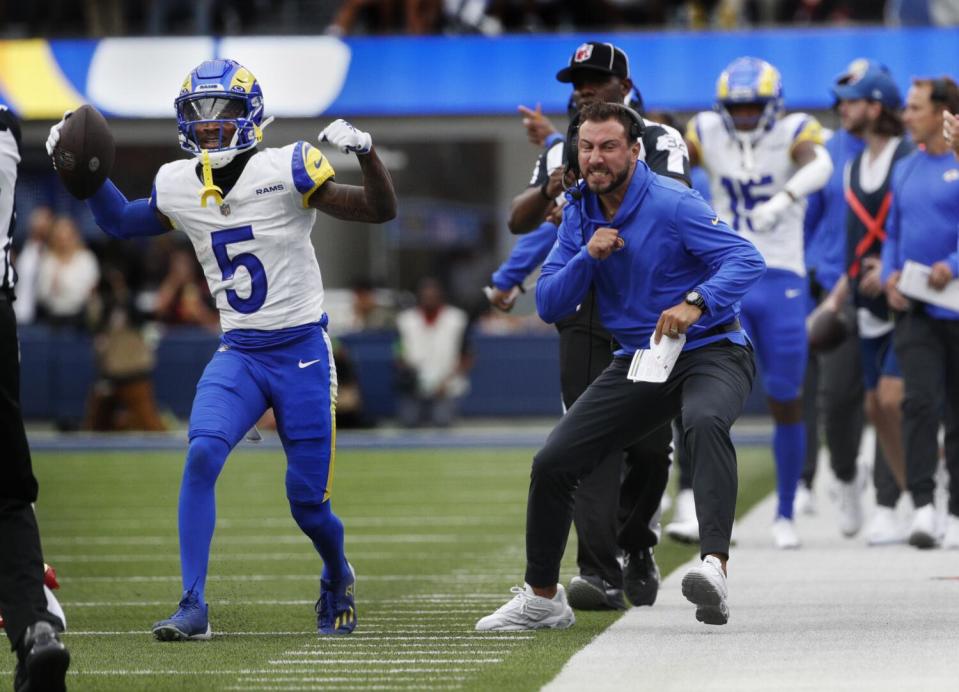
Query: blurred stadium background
pixel 437 83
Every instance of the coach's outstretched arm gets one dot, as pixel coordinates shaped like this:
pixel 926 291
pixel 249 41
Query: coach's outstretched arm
pixel 115 215
pixel 375 201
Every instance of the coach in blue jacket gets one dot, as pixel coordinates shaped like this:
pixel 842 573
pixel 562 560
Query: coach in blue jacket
pixel 663 264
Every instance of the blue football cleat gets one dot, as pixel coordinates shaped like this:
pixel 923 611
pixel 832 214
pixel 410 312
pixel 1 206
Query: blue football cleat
pixel 189 622
pixel 336 609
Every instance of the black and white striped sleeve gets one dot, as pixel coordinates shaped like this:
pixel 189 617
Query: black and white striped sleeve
pixel 9 160
pixel 666 152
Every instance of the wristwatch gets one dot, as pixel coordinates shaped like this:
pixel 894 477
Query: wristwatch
pixel 694 298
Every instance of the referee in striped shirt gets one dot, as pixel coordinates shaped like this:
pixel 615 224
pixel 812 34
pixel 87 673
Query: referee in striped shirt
pixel 42 659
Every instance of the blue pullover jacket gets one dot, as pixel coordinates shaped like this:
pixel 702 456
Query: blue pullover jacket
pixel 674 243
pixel 923 217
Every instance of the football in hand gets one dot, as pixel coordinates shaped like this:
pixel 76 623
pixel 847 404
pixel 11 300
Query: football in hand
pixel 826 328
pixel 84 155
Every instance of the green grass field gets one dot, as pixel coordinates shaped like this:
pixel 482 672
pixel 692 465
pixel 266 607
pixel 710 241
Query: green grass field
pixel 436 538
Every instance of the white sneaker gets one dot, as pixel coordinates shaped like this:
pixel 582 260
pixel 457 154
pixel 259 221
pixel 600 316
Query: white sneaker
pixel 850 508
pixel 922 533
pixel 951 540
pixel 684 527
pixel 784 534
pixel 527 611
pixel 805 502
pixel 706 587
pixel 885 528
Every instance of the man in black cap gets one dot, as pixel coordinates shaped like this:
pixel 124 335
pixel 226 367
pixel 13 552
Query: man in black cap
pixel 606 532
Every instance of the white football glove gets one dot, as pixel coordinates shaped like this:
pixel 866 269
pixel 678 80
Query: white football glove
pixel 347 138
pixel 765 216
pixel 54 137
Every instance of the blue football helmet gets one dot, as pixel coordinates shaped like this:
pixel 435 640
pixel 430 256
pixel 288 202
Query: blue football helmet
pixel 750 81
pixel 219 93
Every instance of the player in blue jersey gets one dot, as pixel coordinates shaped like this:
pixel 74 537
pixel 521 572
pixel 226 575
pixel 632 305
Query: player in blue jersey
pixel 762 165
pixel 922 228
pixel 249 214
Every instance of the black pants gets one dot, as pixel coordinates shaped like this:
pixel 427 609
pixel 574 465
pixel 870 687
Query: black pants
pixel 603 526
pixel 928 353
pixel 22 600
pixel 833 396
pixel 708 388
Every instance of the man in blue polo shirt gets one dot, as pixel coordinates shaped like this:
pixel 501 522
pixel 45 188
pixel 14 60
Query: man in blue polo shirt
pixel 922 227
pixel 663 266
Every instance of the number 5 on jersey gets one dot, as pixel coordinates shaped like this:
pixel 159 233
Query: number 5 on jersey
pixel 247 260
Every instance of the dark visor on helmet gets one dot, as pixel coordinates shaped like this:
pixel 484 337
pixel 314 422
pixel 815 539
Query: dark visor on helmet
pixel 212 108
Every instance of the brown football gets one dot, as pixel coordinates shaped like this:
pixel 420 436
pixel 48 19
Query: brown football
pixel 84 155
pixel 826 329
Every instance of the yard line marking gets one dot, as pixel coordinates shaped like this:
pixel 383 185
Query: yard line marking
pixel 398 608
pixel 418 650
pixel 306 553
pixel 361 675
pixel 268 539
pixel 302 633
pixel 329 661
pixel 352 686
pixel 455 578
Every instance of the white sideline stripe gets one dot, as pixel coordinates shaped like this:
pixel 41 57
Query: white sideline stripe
pixel 417 650
pixel 360 675
pixel 328 661
pixel 371 671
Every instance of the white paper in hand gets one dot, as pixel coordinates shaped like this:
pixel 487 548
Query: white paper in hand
pixel 655 363
pixel 914 283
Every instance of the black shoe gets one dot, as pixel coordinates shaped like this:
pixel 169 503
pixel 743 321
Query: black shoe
pixel 641 577
pixel 587 592
pixel 44 661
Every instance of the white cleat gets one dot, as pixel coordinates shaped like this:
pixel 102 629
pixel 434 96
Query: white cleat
pixel 527 611
pixel 705 586
pixel 922 533
pixel 784 534
pixel 685 526
pixel 805 502
pixel 951 539
pixel 885 528
pixel 850 508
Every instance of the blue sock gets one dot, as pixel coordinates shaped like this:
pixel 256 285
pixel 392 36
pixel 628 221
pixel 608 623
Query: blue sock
pixel 789 448
pixel 326 531
pixel 204 461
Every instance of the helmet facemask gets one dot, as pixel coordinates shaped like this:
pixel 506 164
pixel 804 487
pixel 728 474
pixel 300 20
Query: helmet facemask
pixel 222 124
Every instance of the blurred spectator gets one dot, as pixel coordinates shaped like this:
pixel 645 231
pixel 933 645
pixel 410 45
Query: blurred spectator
pixel 387 17
pixel 350 413
pixel 67 275
pixel 433 360
pixel 183 296
pixel 922 12
pixel 28 263
pixel 368 312
pixel 122 396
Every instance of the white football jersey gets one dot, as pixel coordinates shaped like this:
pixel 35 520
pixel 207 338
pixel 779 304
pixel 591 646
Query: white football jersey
pixel 741 176
pixel 255 247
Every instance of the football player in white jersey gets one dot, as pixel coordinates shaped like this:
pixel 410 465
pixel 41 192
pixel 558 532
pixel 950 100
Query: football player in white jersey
pixel 249 214
pixel 762 164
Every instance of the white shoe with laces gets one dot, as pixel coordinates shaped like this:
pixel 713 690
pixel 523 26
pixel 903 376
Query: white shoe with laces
pixel 885 528
pixel 850 508
pixel 923 533
pixel 805 502
pixel 705 586
pixel 784 534
pixel 951 539
pixel 527 611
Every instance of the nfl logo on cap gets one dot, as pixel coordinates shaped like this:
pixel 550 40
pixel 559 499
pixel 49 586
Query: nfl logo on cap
pixel 583 53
